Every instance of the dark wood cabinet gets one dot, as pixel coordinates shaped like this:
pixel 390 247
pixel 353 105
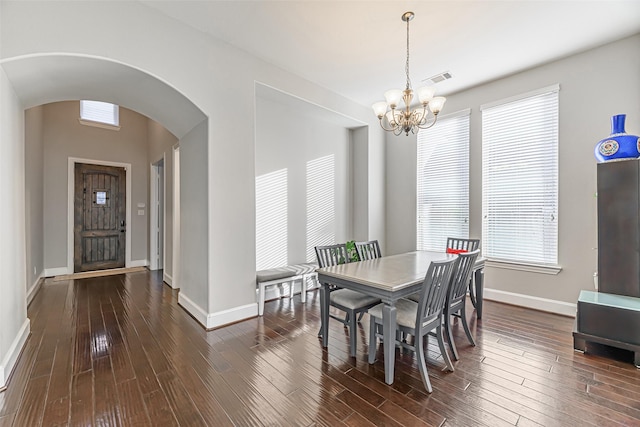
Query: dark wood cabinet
pixel 619 227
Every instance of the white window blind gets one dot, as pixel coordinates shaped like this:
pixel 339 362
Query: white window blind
pixel 443 182
pixel 101 112
pixel 520 178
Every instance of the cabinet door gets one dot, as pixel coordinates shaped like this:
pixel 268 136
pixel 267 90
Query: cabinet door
pixel 619 228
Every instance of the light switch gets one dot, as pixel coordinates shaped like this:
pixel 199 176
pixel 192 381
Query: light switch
pixel 141 205
pixel 140 211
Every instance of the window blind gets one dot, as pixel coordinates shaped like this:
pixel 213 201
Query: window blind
pixel 443 182
pixel 102 112
pixel 520 179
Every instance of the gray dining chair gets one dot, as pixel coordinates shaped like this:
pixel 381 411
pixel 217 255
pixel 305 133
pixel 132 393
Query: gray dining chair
pixel 368 250
pixel 418 318
pixel 462 244
pixel 456 302
pixel 455 245
pixel 351 302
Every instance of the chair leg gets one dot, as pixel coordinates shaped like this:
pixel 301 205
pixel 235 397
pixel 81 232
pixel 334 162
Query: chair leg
pixel 447 328
pixel 353 336
pixel 422 363
pixel 373 346
pixel 443 349
pixel 472 293
pixel 463 315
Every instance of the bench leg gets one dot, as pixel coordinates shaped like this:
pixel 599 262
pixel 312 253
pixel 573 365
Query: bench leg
pixel 303 289
pixel 261 299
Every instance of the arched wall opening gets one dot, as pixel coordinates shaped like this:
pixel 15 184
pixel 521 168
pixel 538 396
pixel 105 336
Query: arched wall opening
pixel 50 78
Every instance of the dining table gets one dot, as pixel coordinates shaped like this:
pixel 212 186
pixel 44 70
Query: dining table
pixel 389 278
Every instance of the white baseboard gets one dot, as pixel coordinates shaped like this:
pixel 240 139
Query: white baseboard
pixel 57 271
pixel 193 309
pixel 537 303
pixel 139 263
pixel 33 290
pixel 221 318
pixel 167 279
pixel 10 359
pixel 232 315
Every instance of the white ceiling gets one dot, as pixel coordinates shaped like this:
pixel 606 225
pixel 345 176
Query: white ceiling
pixel 358 48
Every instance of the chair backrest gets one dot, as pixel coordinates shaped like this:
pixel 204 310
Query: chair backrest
pixel 368 250
pixel 461 275
pixel 332 255
pixel 434 291
pixel 467 245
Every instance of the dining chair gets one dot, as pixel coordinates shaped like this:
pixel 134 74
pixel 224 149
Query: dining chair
pixel 456 302
pixel 368 250
pixel 351 302
pixel 418 318
pixel 466 245
pixel 457 245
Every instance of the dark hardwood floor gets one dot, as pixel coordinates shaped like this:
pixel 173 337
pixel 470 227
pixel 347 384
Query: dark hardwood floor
pixel 118 350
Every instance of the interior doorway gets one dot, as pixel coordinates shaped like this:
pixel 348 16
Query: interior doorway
pixel 99 217
pixel 156 220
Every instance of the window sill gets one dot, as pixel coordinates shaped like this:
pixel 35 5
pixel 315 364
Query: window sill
pixel 98 124
pixel 533 268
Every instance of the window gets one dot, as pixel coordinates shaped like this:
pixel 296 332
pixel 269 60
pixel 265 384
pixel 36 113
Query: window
pixel 443 182
pixel 96 112
pixel 520 178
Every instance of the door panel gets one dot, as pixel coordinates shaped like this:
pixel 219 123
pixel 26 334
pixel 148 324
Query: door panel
pixel 99 224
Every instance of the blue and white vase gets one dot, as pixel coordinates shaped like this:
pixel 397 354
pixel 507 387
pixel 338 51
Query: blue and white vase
pixel 619 145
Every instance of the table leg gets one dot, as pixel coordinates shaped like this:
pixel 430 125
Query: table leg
pixel 479 282
pixel 324 314
pixel 389 333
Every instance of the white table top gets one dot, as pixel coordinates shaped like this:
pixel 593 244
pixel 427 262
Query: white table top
pixel 390 273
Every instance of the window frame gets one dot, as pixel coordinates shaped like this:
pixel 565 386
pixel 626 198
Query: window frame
pixel 545 167
pixel 444 163
pixel 85 119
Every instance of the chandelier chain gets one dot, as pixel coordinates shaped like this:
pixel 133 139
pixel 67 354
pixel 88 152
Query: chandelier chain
pixel 407 64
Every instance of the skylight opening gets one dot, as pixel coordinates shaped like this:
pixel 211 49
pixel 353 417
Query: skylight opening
pixel 101 114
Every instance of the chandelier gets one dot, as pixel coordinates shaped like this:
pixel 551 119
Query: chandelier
pixel 398 120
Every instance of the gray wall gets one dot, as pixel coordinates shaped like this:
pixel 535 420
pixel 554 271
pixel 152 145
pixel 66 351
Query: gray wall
pixel 594 85
pixel 65 137
pixel 160 143
pixel 34 195
pixel 304 138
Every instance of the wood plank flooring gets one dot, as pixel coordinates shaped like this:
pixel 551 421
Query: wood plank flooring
pixel 119 351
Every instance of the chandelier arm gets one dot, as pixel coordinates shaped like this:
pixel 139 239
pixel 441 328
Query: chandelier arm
pixel 435 119
pixel 384 128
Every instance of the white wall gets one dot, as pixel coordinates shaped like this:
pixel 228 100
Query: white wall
pixel 34 197
pixel 65 137
pixel 14 328
pixel 303 139
pixel 594 85
pixel 218 79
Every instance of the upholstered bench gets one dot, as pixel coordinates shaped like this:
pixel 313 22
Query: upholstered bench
pixel 281 275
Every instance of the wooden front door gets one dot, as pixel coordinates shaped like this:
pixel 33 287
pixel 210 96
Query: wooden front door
pixel 99 231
